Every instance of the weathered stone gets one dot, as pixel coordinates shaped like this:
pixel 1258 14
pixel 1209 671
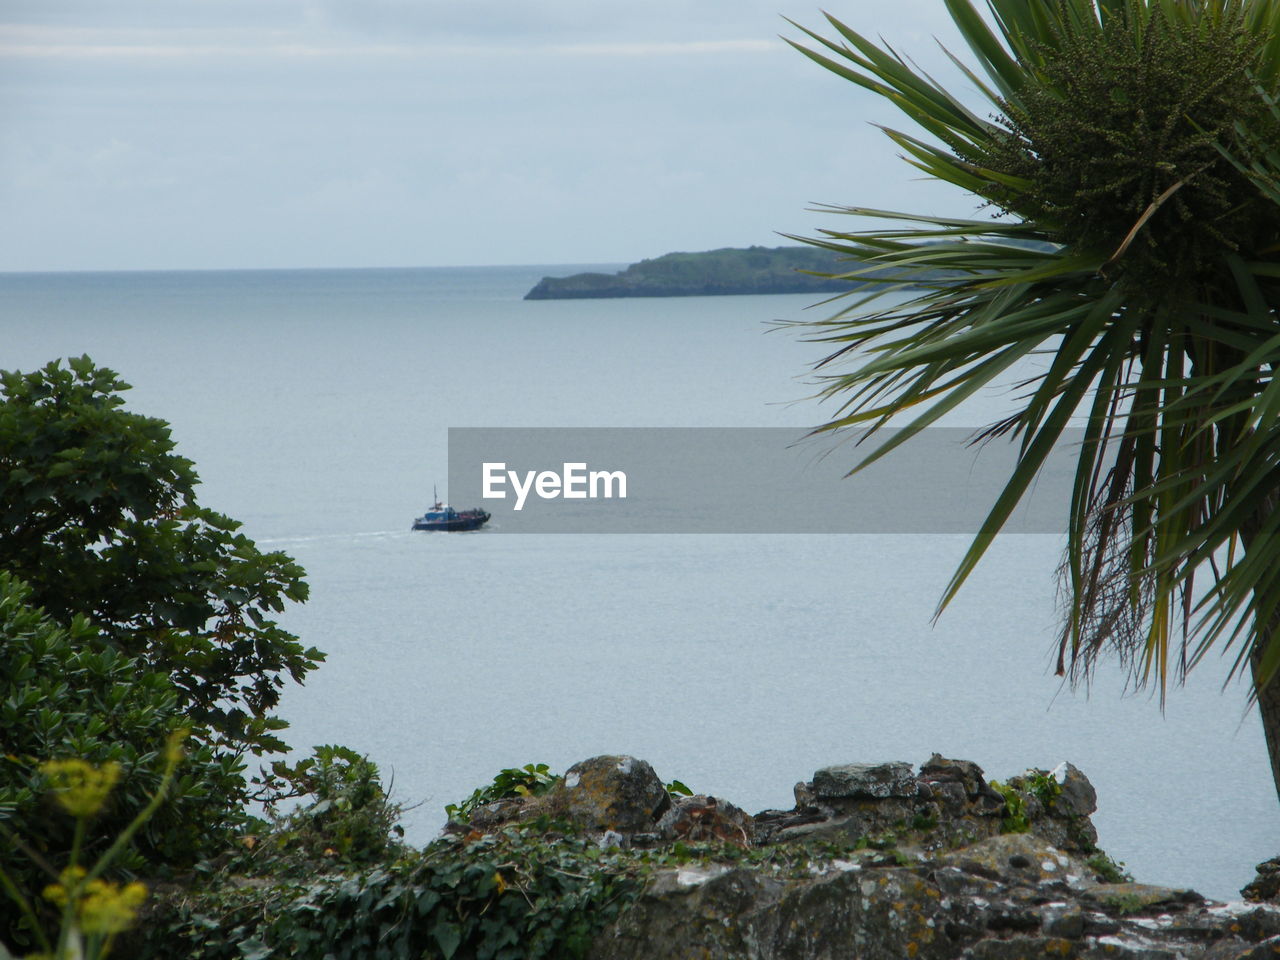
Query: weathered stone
pixel 1266 885
pixel 491 815
pixel 804 795
pixel 950 805
pixel 916 868
pixel 1004 916
pixel 940 769
pixel 611 793
pixel 848 821
pixel 1062 920
pixel 1021 948
pixel 1081 835
pixel 1018 858
pixel 885 914
pixel 1260 923
pixel 1078 798
pixel 1122 899
pixel 706 818
pixel 1058 805
pixel 693 912
pixel 864 780
pixel 927 911
pixel 831 829
pixel 953 881
pixel 770 823
pixel 952 792
pixel 1235 949
pixel 1193 925
pixel 1099 925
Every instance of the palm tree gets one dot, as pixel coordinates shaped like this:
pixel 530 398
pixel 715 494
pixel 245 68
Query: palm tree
pixel 1130 232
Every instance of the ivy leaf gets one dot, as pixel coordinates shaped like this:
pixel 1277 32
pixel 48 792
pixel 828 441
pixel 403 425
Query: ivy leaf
pixel 254 949
pixel 448 937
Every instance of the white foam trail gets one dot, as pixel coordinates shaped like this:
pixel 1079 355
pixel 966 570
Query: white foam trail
pixel 335 536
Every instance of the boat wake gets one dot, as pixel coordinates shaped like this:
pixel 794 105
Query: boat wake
pixel 368 535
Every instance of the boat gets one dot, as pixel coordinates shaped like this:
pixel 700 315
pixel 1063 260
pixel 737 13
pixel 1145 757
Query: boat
pixel 444 518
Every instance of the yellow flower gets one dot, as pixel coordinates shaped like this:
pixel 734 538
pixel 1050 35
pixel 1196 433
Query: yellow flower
pixel 68 880
pixel 80 787
pixel 56 894
pixel 173 748
pixel 108 907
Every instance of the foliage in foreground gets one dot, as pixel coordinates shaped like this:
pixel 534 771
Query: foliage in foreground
pixel 331 879
pixel 93 912
pixel 1133 166
pixel 126 611
pixel 68 695
pixel 99 516
pixel 308 887
pixel 506 896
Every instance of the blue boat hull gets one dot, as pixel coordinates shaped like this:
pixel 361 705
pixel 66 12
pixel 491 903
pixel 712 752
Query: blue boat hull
pixel 466 520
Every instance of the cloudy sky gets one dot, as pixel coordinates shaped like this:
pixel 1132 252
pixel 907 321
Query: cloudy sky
pixel 164 134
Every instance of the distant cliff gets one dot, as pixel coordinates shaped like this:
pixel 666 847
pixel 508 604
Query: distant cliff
pixel 713 273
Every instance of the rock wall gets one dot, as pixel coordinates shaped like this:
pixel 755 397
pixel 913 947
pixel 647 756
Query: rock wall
pixel 884 861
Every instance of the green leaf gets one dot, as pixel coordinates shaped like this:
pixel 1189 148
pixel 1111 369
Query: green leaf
pixel 678 789
pixel 254 949
pixel 448 937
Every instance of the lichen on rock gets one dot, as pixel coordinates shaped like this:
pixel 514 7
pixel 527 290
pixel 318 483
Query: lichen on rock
pixel 877 860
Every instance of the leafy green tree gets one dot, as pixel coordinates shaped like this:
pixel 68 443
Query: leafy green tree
pixel 1128 163
pixel 68 695
pixel 98 515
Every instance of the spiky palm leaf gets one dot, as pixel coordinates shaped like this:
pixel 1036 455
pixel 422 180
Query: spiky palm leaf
pixel 1132 170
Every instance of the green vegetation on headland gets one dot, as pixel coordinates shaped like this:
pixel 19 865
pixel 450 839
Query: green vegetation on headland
pixel 730 270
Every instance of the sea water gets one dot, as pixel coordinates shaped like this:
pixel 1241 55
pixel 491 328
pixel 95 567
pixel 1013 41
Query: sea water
pixel 316 406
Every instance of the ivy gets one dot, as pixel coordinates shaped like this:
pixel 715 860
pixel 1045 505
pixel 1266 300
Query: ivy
pixel 514 894
pixel 531 890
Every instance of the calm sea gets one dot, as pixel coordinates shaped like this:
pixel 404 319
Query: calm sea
pixel 316 405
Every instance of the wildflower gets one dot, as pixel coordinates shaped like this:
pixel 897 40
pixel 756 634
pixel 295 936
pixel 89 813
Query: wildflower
pixel 173 748
pixel 108 907
pixel 68 881
pixel 79 787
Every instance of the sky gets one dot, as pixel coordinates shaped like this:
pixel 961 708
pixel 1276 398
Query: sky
pixel 222 134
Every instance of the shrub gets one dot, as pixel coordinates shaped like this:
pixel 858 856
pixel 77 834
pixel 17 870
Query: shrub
pixel 99 516
pixel 514 895
pixel 93 911
pixel 349 818
pixel 66 693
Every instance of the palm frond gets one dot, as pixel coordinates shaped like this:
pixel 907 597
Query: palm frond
pixel 1153 287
